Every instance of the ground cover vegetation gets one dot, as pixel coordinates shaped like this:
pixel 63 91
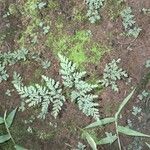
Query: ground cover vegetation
pixel 74 75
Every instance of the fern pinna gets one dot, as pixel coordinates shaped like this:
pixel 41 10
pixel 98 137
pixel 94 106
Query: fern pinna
pixel 80 90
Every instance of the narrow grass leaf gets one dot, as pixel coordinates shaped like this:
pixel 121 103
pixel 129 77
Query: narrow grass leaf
pixel 90 140
pixel 148 145
pixel 125 101
pixel 10 118
pixel 18 147
pixel 101 122
pixel 130 132
pixel 1 120
pixel 107 140
pixel 4 138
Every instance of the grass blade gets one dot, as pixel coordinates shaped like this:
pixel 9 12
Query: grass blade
pixel 148 145
pixel 125 101
pixel 4 138
pixel 18 147
pixel 101 122
pixel 10 118
pixel 130 132
pixel 107 140
pixel 90 140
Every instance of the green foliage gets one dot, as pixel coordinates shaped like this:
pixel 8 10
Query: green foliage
pixel 41 5
pixel 46 64
pixel 8 120
pixel 112 73
pixel 80 146
pixel 109 139
pixel 136 110
pixel 146 10
pixel 10 58
pixel 41 95
pixel 143 95
pixel 81 92
pixel 147 65
pixel 3 73
pixel 129 22
pixel 94 7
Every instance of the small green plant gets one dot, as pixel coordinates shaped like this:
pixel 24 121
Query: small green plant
pixel 82 91
pixel 146 10
pixel 94 7
pixel 110 138
pixel 8 92
pixel 129 22
pixel 80 146
pixel 41 5
pixel 147 65
pixel 46 29
pixel 112 73
pixel 41 95
pixel 143 95
pixel 136 110
pixel 7 120
pixel 10 58
pixel 46 64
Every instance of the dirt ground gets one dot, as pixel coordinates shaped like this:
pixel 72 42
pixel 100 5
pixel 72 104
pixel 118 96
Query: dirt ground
pixel 63 133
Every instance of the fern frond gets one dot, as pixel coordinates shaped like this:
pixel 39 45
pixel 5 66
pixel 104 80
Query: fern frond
pixel 81 91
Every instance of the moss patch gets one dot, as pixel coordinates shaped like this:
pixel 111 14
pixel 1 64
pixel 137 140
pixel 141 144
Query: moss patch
pixel 79 47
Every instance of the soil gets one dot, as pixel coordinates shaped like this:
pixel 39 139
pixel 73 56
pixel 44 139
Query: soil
pixel 63 133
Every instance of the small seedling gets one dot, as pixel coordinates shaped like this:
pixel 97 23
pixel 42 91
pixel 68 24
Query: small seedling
pixel 46 64
pixel 136 110
pixel 46 29
pixel 143 95
pixel 147 65
pixel 41 5
pixel 94 7
pixel 112 73
pixel 146 10
pixel 129 22
pixel 8 92
pixel 80 146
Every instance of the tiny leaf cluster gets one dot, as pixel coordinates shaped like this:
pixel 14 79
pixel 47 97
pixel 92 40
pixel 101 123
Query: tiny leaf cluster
pixel 93 9
pixel 129 22
pixel 112 73
pixel 10 58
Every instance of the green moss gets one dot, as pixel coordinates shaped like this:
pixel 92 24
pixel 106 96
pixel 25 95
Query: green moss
pixel 79 47
pixel 53 4
pixel 79 15
pixel 30 8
